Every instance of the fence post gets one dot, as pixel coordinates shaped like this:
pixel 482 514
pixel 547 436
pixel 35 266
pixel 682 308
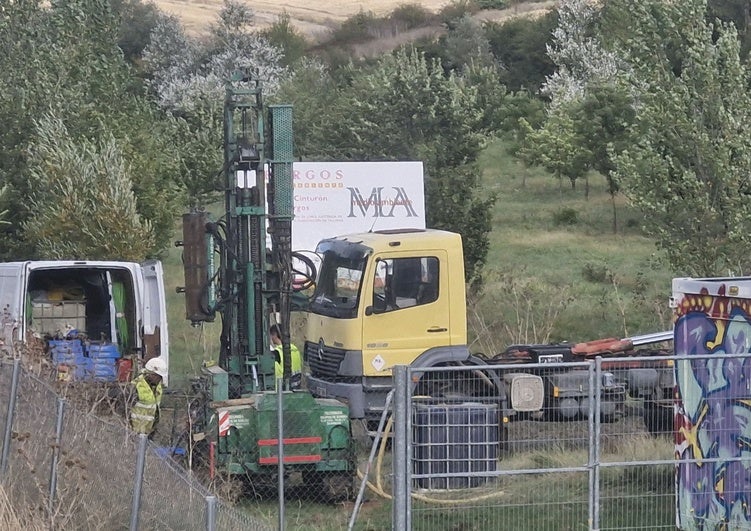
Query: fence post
pixel 591 446
pixel 598 437
pixel 210 513
pixel 280 446
pixel 400 487
pixel 135 507
pixel 56 454
pixel 9 419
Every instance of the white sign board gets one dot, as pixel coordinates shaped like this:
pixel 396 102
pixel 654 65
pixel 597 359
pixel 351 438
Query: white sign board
pixel 335 198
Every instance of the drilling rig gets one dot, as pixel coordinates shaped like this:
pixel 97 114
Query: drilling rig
pixel 232 269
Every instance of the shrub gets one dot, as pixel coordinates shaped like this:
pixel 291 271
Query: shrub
pixel 565 216
pixel 455 11
pixel 412 16
pixel 357 28
pixel 597 272
pixel 492 4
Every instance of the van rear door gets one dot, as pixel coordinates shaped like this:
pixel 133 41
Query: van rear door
pixel 155 335
pixel 12 300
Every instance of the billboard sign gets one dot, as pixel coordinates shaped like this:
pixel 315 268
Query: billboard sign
pixel 336 198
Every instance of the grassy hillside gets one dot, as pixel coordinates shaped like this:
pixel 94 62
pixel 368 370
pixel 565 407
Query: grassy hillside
pixel 556 268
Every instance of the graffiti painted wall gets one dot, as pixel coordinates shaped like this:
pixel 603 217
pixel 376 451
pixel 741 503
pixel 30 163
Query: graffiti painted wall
pixel 713 415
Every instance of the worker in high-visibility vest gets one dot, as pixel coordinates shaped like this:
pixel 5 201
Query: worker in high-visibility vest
pixel 144 415
pixel 295 358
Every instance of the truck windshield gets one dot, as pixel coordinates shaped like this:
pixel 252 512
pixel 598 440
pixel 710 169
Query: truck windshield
pixel 340 280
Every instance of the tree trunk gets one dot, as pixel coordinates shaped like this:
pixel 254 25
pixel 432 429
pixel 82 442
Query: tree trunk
pixel 586 187
pixel 615 213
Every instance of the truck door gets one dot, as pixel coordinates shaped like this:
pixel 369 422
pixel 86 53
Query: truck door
pixel 407 310
pixel 12 301
pixel 155 339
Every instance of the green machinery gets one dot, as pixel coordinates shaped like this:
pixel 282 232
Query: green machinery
pixel 231 269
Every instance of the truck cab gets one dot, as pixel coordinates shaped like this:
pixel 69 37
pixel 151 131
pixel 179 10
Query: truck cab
pixel 90 313
pixel 384 298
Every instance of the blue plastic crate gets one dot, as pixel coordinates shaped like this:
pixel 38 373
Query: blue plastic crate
pixel 66 350
pixel 101 369
pixel 103 350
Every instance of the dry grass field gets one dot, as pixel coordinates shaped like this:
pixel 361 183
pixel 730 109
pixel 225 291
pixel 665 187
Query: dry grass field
pixel 316 17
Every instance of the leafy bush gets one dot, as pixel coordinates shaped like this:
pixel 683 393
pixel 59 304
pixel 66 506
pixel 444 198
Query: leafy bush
pixel 455 11
pixel 565 216
pixel 492 4
pixel 356 28
pixel 597 272
pixel 412 16
pixel 283 35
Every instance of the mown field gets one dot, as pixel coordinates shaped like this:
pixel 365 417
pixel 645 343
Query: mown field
pixel 316 19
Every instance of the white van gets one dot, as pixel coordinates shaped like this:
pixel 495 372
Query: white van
pixel 120 305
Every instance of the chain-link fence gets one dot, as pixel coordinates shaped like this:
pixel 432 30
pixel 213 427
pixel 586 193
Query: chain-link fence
pixel 582 455
pixel 74 469
pixel 575 452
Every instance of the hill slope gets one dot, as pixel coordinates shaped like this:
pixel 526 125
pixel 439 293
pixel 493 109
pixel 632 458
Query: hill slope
pixel 314 20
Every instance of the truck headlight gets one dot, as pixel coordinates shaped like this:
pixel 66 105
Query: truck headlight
pixel 608 380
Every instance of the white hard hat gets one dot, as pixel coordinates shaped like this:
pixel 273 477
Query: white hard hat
pixel 157 365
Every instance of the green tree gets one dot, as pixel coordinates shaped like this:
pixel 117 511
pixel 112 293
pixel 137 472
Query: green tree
pixel 603 120
pixel 466 44
pixel 63 61
pixel 315 94
pixel 284 36
pixel 589 114
pixel 739 13
pixel 688 169
pixel 136 20
pixel 558 147
pixel 405 108
pixel 94 214
pixel 520 46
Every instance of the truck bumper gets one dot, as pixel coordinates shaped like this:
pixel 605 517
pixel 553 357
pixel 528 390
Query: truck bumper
pixel 366 400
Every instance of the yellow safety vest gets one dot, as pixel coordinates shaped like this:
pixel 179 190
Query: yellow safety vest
pixel 295 358
pixel 145 412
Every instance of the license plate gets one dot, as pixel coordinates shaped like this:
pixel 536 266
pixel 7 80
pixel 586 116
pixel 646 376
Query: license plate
pixel 551 358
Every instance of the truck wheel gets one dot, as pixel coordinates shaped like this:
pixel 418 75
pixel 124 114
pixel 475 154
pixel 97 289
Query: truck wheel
pixel 658 419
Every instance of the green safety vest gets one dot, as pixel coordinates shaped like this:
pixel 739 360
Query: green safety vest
pixel 145 412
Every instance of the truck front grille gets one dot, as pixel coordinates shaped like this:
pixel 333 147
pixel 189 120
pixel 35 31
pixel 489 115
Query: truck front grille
pixel 323 360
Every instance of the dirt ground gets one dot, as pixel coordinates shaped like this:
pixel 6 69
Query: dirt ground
pixel 315 19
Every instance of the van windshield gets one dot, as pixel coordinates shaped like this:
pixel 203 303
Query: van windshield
pixel 337 292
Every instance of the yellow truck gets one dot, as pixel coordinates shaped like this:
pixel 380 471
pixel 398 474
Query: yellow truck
pixel 397 297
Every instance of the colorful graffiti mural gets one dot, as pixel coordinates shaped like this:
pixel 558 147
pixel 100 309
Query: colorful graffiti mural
pixel 713 415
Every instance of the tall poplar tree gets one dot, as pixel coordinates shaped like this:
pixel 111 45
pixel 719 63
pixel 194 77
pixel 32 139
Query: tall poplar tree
pixel 689 167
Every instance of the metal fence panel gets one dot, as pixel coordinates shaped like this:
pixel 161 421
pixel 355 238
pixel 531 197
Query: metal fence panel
pixel 6 375
pixel 96 468
pixel 587 456
pixel 583 459
pixel 95 472
pixel 168 496
pixel 31 443
pixel 637 496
